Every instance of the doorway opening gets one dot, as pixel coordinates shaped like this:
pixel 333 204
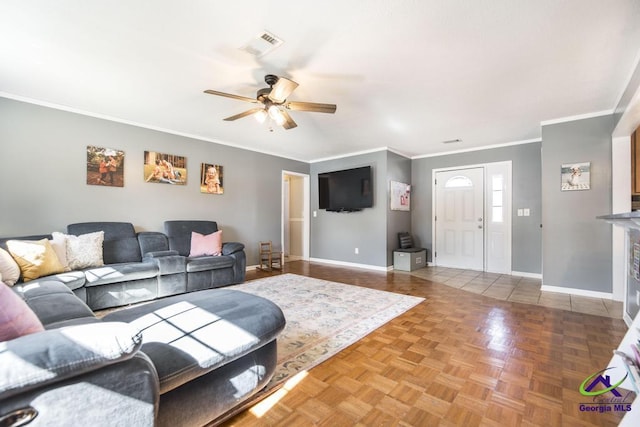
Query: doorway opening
pixel 295 216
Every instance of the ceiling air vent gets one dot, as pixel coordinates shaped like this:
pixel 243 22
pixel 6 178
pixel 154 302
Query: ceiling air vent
pixel 262 44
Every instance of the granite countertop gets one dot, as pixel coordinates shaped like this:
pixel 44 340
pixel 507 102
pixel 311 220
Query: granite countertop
pixel 626 219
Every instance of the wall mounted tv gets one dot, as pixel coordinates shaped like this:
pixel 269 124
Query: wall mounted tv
pixel 347 190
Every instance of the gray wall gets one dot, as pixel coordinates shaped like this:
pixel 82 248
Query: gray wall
pixel 526 233
pixel 399 170
pixel 577 246
pixel 335 235
pixel 43 178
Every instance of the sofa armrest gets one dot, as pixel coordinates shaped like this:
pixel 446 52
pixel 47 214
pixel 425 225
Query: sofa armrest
pixel 43 358
pixel 159 254
pixel 231 247
pixel 168 262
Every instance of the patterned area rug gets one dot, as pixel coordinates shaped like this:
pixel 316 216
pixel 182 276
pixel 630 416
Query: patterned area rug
pixel 323 317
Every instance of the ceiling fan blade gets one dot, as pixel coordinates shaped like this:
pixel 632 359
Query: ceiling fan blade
pixel 311 106
pixel 282 89
pixel 244 114
pixel 289 123
pixel 229 95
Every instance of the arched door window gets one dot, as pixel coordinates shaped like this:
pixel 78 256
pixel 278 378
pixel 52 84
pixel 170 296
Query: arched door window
pixel 458 181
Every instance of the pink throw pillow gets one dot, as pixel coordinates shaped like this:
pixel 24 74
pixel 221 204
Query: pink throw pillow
pixel 16 317
pixel 210 244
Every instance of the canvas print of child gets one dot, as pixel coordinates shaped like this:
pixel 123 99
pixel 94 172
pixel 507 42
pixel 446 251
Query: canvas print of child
pixel 211 179
pixel 105 166
pixel 165 168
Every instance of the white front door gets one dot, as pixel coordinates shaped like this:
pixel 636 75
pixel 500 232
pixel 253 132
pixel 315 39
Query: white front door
pixel 460 219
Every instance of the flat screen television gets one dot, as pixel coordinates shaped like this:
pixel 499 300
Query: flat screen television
pixel 347 190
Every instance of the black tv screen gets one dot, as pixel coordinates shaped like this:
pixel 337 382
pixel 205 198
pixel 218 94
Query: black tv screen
pixel 346 190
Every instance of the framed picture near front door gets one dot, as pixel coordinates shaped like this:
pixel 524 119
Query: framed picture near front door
pixel 575 176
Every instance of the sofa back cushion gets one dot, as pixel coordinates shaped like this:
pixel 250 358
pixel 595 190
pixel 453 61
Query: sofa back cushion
pixel 120 241
pixel 152 241
pixel 179 233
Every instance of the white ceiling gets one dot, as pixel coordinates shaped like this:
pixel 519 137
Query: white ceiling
pixel 405 74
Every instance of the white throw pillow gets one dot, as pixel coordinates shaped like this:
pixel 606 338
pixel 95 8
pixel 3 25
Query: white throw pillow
pixel 9 268
pixel 85 250
pixel 59 245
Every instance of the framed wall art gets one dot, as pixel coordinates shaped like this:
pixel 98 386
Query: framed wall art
pixel 211 179
pixel 400 195
pixel 165 168
pixel 105 166
pixel 575 176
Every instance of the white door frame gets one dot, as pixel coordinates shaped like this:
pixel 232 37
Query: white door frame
pixel 305 211
pixel 508 205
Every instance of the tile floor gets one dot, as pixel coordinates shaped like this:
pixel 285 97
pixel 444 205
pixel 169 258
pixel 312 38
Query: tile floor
pixel 518 289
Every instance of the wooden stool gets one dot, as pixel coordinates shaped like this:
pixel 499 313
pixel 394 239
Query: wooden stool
pixel 269 259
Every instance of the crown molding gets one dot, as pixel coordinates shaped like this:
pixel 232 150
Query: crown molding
pixel 484 147
pixel 138 124
pixel 578 117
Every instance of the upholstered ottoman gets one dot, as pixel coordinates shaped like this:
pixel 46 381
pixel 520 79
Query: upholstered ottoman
pixel 212 350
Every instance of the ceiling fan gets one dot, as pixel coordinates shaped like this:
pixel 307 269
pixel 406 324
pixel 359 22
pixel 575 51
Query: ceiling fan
pixel 274 104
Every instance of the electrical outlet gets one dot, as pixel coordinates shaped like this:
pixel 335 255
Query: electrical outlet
pixel 315 214
pixel 519 212
pixel 357 251
pixel 526 212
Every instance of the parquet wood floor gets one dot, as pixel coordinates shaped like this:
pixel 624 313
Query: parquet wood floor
pixel 457 359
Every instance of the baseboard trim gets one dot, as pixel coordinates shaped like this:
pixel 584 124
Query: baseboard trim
pixel 578 292
pixel 528 275
pixel 351 264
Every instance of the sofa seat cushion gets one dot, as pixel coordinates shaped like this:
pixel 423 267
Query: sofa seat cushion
pixel 187 336
pixel 73 279
pixel 53 302
pixel 116 273
pixel 205 263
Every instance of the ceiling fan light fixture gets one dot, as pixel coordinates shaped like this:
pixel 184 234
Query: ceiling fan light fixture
pixel 272 102
pixel 276 115
pixel 261 116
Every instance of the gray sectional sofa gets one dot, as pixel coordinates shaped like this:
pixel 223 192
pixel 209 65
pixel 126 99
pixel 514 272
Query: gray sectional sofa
pixel 189 357
pixel 184 360
pixel 147 265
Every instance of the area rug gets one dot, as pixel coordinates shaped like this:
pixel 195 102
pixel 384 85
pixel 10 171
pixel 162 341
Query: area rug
pixel 323 317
